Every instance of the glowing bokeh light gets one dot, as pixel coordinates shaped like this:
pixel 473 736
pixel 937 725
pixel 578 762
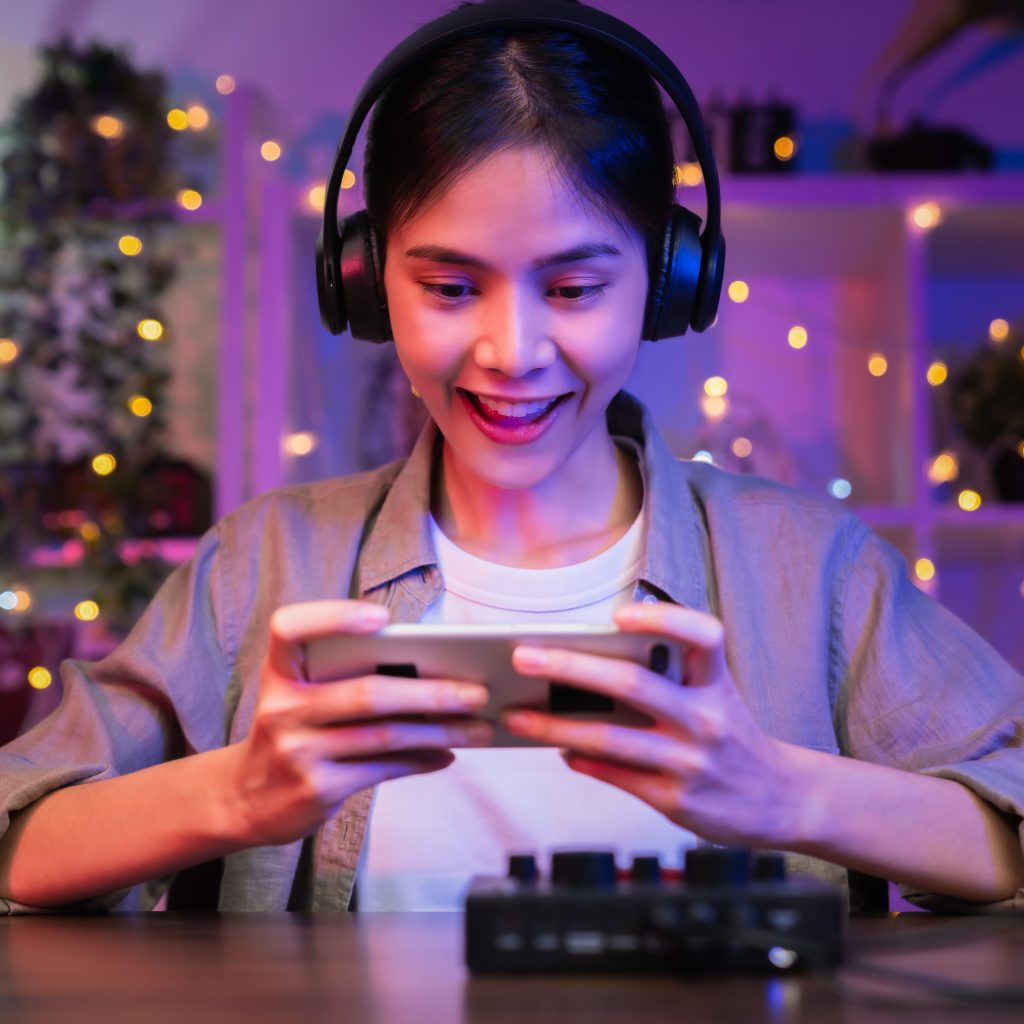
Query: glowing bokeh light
pixel 927 216
pixel 999 330
pixel 198 117
pixel 840 488
pixel 937 373
pixel 878 365
pixel 270 151
pixel 140 405
pixel 190 199
pixel 8 350
pixel 130 245
pixel 716 386
pixel 943 468
pixel 301 443
pixel 39 678
pixel 742 447
pixel 87 611
pixel 714 406
pixel 150 330
pixel 969 501
pixel 739 291
pixel 924 568
pixel 315 197
pixel 784 148
pixel 797 337
pixel 177 119
pixel 104 465
pixel 348 179
pixel 225 85
pixel 108 127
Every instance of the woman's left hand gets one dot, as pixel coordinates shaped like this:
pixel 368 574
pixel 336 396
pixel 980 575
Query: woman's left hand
pixel 704 763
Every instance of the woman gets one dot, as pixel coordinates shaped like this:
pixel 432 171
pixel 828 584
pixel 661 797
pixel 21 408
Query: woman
pixel 516 253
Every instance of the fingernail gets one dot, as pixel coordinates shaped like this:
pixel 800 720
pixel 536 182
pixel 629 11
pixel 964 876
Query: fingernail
pixel 515 719
pixel 471 693
pixel 531 657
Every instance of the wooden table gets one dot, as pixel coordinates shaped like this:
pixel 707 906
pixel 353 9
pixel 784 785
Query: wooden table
pixel 151 968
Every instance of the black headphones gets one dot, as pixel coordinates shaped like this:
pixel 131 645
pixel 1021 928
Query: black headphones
pixel 685 284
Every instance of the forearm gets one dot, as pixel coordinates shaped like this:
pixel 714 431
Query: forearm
pixel 95 838
pixel 933 834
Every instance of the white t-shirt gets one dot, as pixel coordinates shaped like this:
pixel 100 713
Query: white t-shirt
pixel 429 834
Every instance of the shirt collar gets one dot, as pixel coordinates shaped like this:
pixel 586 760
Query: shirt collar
pixel 675 556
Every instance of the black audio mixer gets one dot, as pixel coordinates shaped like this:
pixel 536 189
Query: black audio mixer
pixel 729 910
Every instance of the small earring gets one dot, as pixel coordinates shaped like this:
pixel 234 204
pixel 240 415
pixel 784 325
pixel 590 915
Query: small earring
pixel 415 393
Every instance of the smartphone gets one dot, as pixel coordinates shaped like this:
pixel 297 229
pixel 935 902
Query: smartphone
pixel 483 654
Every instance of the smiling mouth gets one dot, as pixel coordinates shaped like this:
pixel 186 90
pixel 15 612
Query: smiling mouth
pixel 513 412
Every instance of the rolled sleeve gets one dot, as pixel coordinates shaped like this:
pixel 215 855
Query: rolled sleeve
pixel 158 696
pixel 919 690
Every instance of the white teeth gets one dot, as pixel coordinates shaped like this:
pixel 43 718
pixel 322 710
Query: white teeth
pixel 520 410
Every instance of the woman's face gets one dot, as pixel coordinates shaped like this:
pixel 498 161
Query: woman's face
pixel 516 311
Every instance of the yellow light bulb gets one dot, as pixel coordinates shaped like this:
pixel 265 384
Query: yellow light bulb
pixel 190 199
pixel 348 179
pixel 22 601
pixel 270 151
pixel 739 291
pixel 130 245
pixel 999 330
pixel 104 465
pixel 877 365
pixel 8 350
pixel 301 443
pixel 715 386
pixel 797 337
pixel 937 373
pixel 39 678
pixel 140 405
pixel 89 531
pixel 150 330
pixel 177 119
pixel 86 611
pixel 925 569
pixel 969 501
pixel 784 148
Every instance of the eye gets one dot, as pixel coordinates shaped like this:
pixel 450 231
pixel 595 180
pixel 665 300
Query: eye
pixel 444 291
pixel 580 292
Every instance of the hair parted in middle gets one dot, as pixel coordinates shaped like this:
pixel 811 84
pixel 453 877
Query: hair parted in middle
pixel 597 112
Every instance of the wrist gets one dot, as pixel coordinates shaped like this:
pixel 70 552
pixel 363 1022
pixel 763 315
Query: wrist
pixel 803 809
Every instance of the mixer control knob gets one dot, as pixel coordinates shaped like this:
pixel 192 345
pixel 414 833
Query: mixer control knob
pixel 716 866
pixel 584 869
pixel 645 870
pixel 523 866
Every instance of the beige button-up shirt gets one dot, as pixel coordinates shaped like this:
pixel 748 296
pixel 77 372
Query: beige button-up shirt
pixel 829 642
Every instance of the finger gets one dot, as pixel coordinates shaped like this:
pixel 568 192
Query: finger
pixel 653 694
pixel 338 775
pixel 381 696
pixel 292 625
pixel 376 739
pixel 657 789
pixel 702 633
pixel 643 748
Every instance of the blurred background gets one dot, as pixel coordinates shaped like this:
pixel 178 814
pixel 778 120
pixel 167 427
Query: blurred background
pixel 162 360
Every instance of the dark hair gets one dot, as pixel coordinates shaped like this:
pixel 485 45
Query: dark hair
pixel 595 110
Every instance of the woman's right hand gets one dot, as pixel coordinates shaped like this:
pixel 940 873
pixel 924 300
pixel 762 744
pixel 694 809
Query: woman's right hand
pixel 312 745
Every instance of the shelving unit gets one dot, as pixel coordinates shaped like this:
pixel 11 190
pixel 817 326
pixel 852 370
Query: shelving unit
pixel 841 256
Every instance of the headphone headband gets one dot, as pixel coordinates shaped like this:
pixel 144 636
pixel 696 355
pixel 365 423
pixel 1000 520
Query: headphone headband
pixel 514 14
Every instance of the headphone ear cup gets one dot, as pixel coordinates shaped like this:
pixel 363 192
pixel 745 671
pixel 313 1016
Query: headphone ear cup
pixel 675 277
pixel 709 292
pixel 362 280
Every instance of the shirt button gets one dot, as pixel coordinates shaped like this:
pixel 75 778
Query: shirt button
pixel 650 599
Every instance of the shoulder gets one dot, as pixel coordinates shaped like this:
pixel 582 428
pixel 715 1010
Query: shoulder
pixel 339 500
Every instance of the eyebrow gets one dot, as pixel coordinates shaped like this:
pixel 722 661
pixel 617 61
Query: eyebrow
pixel 441 254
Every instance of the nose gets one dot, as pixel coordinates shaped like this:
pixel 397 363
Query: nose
pixel 513 339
